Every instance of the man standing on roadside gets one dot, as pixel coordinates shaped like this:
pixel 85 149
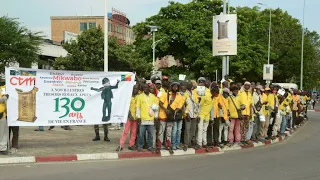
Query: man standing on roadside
pixel 192 111
pixel 146 114
pixel 4 130
pixel 246 104
pixel 258 111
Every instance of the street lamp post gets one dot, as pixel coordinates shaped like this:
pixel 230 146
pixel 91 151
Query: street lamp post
pixel 154 29
pixel 270 23
pixel 302 46
pixel 269 44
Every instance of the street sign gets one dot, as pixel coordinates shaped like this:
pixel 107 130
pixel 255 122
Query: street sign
pixel 268 72
pixel 224 35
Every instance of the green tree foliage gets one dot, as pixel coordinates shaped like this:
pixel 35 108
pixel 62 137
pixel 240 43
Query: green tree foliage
pixel 87 54
pixel 17 44
pixel 189 31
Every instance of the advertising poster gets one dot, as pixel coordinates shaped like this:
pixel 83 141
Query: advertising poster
pixel 268 72
pixel 224 35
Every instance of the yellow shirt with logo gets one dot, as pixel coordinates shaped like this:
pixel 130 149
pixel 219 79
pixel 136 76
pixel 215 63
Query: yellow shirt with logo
pixel 144 103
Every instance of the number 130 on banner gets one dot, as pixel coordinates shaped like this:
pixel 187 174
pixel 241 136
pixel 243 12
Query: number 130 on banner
pixel 70 107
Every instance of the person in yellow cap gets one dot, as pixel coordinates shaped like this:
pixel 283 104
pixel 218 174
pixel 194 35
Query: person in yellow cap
pixel 4 130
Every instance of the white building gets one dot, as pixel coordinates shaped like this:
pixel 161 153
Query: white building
pixel 48 50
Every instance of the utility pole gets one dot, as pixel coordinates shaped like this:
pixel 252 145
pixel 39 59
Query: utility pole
pixel 302 46
pixel 106 29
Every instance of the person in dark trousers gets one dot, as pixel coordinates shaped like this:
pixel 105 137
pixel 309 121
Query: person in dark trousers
pixel 106 132
pixel 15 136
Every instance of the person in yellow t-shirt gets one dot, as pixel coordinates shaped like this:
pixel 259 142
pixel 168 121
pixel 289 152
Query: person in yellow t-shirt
pixel 171 102
pixel 146 113
pixel 224 122
pixel 177 102
pixel 132 123
pixel 295 106
pixel 283 104
pixel 234 109
pixel 4 130
pixel 266 112
pixel 275 118
pixel 205 115
pixel 245 97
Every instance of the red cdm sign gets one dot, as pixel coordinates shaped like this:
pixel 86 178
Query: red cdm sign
pixel 22 80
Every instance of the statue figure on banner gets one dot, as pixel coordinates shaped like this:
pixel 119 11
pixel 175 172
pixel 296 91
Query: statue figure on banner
pixel 106 96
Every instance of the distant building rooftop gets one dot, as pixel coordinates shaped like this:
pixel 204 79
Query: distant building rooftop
pixel 86 17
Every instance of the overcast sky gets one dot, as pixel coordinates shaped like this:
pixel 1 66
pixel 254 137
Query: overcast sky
pixel 35 14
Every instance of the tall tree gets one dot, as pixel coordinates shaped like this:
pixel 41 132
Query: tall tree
pixel 87 54
pixel 189 31
pixel 17 44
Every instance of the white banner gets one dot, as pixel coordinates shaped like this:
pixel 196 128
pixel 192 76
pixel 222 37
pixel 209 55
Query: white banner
pixel 50 98
pixel 224 35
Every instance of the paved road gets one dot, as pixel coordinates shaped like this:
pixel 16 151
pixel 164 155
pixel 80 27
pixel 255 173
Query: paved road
pixel 296 159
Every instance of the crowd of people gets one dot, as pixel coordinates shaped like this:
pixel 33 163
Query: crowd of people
pixel 203 114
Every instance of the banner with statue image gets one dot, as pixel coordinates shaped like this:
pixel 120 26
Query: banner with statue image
pixel 55 98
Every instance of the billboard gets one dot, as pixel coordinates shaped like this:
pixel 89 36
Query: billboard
pixel 224 35
pixel 268 72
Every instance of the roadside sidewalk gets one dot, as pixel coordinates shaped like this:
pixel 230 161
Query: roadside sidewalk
pixel 60 145
pixel 59 141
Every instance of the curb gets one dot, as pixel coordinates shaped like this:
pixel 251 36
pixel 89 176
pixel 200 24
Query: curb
pixel 134 154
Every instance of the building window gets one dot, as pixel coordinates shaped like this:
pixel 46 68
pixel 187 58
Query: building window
pixel 83 26
pixel 109 26
pixel 87 25
pixel 92 25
